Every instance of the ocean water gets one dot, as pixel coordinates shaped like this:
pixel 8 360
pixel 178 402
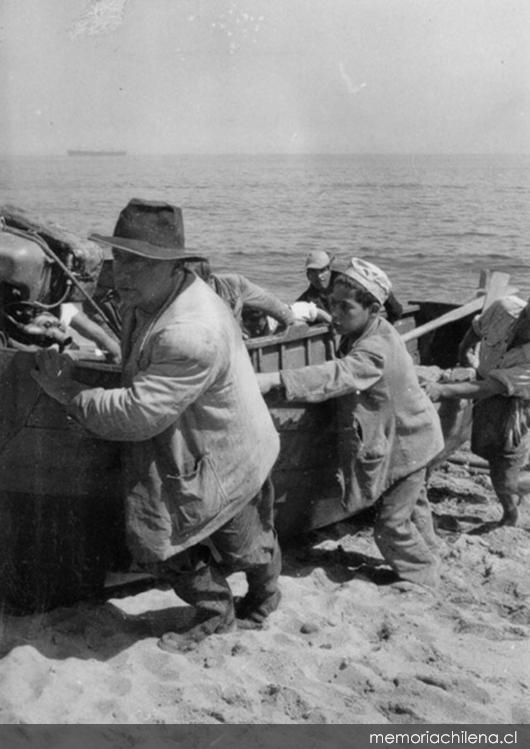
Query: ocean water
pixel 432 222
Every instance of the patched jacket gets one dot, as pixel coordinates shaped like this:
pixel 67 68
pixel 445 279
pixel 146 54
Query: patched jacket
pixel 200 439
pixel 388 427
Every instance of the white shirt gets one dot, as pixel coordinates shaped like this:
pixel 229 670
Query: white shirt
pixel 68 311
pixel 302 311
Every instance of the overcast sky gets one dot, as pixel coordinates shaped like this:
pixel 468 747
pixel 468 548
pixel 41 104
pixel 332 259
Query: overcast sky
pixel 254 76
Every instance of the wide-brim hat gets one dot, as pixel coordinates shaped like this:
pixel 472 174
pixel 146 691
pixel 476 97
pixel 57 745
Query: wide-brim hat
pixel 150 229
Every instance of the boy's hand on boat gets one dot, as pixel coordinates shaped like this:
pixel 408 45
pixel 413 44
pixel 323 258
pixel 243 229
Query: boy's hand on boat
pixel 268 380
pixel 434 390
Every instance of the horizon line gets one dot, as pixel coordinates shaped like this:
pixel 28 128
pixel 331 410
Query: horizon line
pixel 266 153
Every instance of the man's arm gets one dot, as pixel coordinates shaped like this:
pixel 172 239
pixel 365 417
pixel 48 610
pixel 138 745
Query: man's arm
pixel 512 382
pixel 94 332
pixel 173 380
pixel 323 316
pixel 475 390
pixel 256 297
pixel 466 350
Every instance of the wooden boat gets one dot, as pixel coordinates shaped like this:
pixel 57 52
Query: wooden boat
pixel 305 475
pixel 60 497
pixel 62 527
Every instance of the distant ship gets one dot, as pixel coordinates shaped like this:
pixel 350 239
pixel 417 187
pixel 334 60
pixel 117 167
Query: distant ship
pixel 81 152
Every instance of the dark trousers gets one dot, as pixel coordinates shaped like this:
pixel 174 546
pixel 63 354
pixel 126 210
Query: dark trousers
pixel 501 434
pixel 404 531
pixel 248 543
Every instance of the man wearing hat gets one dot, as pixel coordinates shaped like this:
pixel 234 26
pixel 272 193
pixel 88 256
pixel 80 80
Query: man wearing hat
pixel 321 278
pixel 199 440
pixel 388 429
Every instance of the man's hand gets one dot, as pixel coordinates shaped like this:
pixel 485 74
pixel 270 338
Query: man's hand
pixel 323 316
pixel 268 380
pixel 468 350
pixel 468 358
pixel 434 390
pixel 113 354
pixel 54 375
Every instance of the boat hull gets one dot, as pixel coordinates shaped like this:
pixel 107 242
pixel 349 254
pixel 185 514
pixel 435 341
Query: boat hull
pixel 61 502
pixel 59 498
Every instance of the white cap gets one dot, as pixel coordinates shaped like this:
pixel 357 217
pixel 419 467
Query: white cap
pixel 370 277
pixel 318 259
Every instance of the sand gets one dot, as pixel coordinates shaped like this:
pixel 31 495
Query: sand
pixel 340 649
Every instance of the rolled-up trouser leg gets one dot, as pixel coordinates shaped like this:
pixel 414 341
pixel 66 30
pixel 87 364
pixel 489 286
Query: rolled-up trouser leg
pixel 403 531
pixel 248 542
pixel 198 581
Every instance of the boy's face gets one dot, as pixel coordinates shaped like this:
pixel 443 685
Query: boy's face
pixel 349 317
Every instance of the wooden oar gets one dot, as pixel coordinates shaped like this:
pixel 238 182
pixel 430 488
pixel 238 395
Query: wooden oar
pixel 497 288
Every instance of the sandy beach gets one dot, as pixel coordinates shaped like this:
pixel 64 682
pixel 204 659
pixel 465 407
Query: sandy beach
pixel 340 649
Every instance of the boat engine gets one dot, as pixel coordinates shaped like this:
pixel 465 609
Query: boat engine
pixel 41 267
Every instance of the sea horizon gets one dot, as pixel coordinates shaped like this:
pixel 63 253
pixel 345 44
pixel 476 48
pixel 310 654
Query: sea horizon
pixel 432 222
pixel 376 154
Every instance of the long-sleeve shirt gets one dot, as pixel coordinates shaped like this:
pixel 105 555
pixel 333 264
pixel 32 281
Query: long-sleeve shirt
pixel 199 437
pixel 507 364
pixel 238 292
pixel 388 428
